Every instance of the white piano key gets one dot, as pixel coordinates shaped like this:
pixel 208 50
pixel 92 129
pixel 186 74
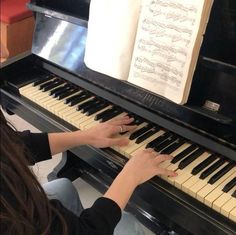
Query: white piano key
pixel 217 192
pixel 202 183
pixel 222 199
pixel 191 181
pixel 201 194
pixel 228 207
pixel 185 174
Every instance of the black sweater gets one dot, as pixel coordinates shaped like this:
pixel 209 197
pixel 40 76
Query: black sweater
pixel 101 218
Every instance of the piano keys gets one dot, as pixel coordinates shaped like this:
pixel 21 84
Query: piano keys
pixel 214 173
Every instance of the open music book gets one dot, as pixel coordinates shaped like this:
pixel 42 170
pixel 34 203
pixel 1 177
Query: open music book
pixel 153 44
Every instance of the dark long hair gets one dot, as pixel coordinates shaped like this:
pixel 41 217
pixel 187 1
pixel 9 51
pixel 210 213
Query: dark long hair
pixel 25 209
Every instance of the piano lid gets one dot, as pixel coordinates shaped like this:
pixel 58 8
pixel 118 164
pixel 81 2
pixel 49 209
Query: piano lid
pixel 60 37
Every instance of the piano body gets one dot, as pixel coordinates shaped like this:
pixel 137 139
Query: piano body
pixel 47 87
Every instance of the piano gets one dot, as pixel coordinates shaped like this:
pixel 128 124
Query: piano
pixel 53 90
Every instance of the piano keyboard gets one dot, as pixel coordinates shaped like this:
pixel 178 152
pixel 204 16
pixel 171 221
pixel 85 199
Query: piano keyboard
pixel 204 175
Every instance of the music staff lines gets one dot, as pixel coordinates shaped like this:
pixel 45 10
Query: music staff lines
pixel 164 48
pixel 168 81
pixel 168 26
pixel 174 16
pixel 176 6
pixel 164 67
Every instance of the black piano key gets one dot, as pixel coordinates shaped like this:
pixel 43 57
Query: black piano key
pixel 184 153
pixel 229 185
pixel 221 173
pixel 171 148
pixel 96 109
pixel 140 132
pixel 190 158
pixel 212 168
pixel 146 135
pixel 105 113
pixel 60 90
pixel 234 194
pixel 165 143
pixel 43 78
pixel 137 120
pixel 68 100
pixel 55 92
pixel 53 85
pixel 90 106
pixel 67 93
pixel 39 82
pixel 56 89
pixel 203 164
pixel 86 104
pixel 158 140
pixel 79 99
pixel 46 84
pixel 112 115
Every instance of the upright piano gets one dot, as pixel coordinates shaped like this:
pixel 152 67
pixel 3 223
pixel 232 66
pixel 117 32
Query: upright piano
pixel 54 90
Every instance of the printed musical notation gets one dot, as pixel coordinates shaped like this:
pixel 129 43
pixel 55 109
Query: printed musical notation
pixel 156 4
pixel 165 37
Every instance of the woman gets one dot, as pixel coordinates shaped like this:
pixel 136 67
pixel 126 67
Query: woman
pixel 25 208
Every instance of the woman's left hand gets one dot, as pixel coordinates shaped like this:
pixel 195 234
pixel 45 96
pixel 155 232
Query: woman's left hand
pixel 106 134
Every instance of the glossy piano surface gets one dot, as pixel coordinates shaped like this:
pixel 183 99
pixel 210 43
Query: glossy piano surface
pixel 213 131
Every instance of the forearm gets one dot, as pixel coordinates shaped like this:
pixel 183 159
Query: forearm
pixel 121 189
pixel 60 142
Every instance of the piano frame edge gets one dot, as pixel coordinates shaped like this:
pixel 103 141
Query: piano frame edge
pixel 48 123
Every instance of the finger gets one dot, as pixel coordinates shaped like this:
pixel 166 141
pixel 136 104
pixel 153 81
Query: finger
pixel 163 157
pixel 115 119
pixel 165 172
pixel 128 128
pixel 148 150
pixel 123 121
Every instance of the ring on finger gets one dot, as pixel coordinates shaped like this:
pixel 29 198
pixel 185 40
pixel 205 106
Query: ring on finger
pixel 121 129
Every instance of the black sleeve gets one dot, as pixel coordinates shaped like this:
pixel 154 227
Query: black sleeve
pixel 100 219
pixel 37 145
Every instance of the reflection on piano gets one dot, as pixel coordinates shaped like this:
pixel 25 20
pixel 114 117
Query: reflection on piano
pixel 53 90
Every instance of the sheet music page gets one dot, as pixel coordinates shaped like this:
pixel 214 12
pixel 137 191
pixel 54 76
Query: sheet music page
pixel 164 45
pixel 111 34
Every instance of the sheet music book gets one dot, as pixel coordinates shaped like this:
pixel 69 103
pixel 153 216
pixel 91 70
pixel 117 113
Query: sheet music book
pixel 153 44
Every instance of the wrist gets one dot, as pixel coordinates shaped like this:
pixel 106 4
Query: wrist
pixel 83 137
pixel 129 178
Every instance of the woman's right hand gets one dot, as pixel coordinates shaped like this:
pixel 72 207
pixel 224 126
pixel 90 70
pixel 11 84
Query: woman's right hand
pixel 140 168
pixel 145 165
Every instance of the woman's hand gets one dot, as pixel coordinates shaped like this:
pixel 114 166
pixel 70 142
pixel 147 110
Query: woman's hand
pixel 145 165
pixel 140 168
pixel 106 134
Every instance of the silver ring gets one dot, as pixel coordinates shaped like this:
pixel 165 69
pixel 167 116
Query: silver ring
pixel 121 129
